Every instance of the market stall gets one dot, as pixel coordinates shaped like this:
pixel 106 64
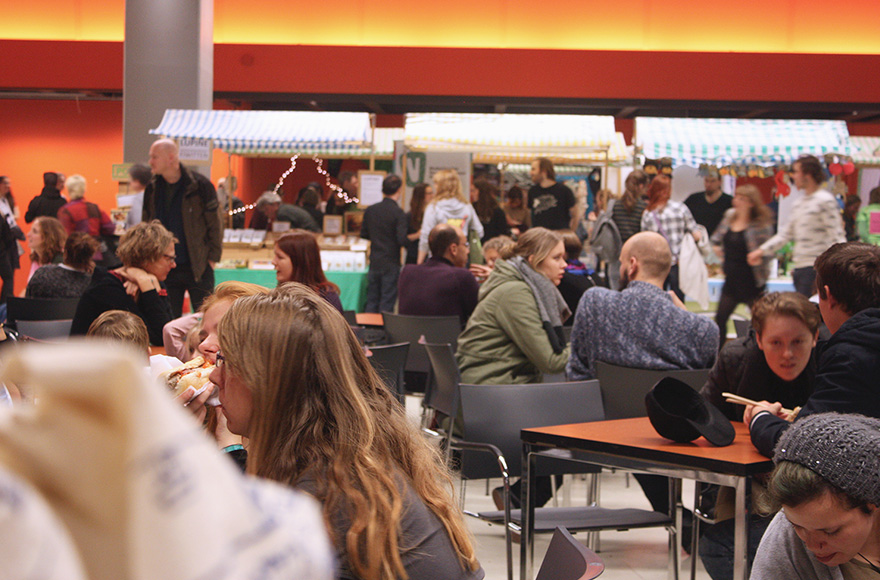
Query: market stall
pixel 294 134
pixel 866 157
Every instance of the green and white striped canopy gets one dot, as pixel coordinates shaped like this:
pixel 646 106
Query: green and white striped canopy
pixel 866 150
pixel 723 142
pixel 327 134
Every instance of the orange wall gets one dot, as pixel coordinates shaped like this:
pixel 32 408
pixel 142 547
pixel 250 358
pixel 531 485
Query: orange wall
pixel 786 26
pixel 63 136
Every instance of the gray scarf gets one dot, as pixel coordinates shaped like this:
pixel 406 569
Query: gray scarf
pixel 551 306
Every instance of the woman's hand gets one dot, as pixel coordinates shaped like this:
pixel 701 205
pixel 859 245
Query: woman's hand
pixel 196 405
pixel 136 278
pixel 480 272
pixel 751 410
pixel 697 236
pixel 755 257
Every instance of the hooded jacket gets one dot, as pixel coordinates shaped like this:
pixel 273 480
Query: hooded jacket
pixel 449 211
pixel 505 341
pixel 846 378
pixel 46 204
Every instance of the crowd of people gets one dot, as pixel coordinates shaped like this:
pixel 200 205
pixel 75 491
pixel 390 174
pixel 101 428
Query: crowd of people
pixel 300 404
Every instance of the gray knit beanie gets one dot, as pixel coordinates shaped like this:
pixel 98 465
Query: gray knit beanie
pixel 843 449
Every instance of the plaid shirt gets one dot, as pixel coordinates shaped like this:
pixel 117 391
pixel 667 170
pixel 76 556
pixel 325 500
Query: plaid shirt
pixel 672 222
pixel 82 216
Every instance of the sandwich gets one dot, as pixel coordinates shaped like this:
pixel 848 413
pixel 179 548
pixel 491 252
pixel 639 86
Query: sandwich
pixel 194 374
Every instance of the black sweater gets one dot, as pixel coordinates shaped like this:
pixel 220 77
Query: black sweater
pixel 107 292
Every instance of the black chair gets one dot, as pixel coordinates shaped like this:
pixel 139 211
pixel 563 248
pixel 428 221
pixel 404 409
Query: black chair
pixel 388 361
pixel 42 318
pixel 624 388
pixel 493 417
pixel 742 327
pixel 568 559
pixel 434 329
pixel 350 317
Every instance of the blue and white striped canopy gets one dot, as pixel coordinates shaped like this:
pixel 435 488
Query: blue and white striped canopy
pixel 866 150
pixel 271 132
pixel 723 142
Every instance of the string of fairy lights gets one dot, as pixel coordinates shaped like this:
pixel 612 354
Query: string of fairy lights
pixel 337 190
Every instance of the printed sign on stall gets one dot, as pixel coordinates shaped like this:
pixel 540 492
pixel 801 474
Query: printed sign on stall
pixel 195 151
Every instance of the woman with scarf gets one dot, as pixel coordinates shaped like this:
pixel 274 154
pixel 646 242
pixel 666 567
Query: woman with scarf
pixel 515 333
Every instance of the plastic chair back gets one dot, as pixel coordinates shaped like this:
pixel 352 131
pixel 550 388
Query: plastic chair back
pixel 624 389
pixel 388 361
pixel 497 413
pixel 435 329
pixel 443 395
pixel 742 327
pixel 568 559
pixel 41 308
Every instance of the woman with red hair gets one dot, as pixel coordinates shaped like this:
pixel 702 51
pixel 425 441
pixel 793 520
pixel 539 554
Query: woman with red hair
pixel 298 259
pixel 670 219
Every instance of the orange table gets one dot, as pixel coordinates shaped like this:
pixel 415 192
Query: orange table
pixel 634 444
pixel 370 319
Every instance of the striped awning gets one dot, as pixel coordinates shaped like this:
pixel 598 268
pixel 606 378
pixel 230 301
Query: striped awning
pixel 508 137
pixel 618 154
pixel 865 150
pixel 723 142
pixel 272 132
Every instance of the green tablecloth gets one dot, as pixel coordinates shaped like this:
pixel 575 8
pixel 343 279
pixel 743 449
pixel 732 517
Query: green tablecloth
pixel 352 285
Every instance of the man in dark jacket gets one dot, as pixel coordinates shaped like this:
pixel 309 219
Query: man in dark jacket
pixel 186 203
pixel 385 226
pixel 848 279
pixel 48 202
pixel 442 285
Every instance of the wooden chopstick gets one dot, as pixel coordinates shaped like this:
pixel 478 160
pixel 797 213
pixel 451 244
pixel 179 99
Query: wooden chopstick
pixel 733 398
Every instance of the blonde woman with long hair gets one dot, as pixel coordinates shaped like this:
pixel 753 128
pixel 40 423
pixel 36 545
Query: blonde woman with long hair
pixel 449 206
pixel 294 380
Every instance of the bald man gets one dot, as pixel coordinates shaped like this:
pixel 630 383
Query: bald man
pixel 186 203
pixel 641 326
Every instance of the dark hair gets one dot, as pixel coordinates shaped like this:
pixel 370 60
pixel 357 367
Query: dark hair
pixel 630 196
pixel 344 176
pixel 310 197
pixel 440 238
pixel 851 270
pixel 391 185
pixel 140 173
pixel 811 166
pixel 790 304
pixel 852 201
pixel 659 191
pixel 9 193
pixel 305 257
pixel 50 179
pixel 793 484
pixel 300 197
pixel 417 206
pixel 573 244
pixel 874 196
pixel 78 251
pixel 546 166
pixel 487 201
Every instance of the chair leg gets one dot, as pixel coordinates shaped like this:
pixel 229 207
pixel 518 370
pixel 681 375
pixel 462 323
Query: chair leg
pixel 593 542
pixel 695 531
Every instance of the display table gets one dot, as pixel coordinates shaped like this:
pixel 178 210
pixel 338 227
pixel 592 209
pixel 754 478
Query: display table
pixel 352 285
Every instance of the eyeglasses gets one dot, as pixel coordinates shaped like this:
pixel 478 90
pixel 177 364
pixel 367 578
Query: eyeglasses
pixel 220 360
pixel 169 257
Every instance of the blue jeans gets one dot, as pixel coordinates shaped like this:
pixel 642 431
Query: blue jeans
pixel 382 287
pixel 716 545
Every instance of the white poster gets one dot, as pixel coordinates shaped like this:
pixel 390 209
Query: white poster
pixel 195 151
pixel 370 187
pixel 422 165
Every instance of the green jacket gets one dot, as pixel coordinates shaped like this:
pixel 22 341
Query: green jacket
pixel 864 222
pixel 504 341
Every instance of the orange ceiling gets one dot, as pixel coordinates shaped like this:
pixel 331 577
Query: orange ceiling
pixel 778 26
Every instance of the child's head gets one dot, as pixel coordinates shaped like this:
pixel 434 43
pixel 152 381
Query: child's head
pixel 122 326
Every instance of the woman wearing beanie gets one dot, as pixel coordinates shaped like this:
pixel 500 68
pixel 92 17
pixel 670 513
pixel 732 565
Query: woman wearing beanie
pixel 827 482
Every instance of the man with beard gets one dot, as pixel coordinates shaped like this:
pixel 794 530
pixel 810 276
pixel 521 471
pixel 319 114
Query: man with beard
pixel 641 326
